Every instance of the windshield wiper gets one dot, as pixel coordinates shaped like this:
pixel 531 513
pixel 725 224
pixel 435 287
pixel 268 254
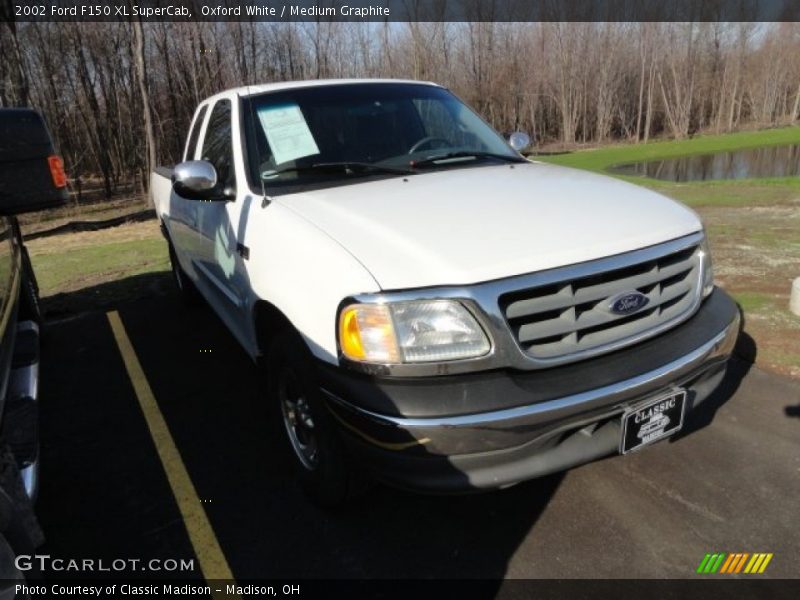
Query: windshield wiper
pixel 349 167
pixel 435 160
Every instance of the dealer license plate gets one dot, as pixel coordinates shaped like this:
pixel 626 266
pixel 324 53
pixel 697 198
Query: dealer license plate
pixel 652 420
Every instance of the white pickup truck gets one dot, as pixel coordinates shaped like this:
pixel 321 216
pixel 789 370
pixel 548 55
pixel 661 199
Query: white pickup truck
pixel 430 307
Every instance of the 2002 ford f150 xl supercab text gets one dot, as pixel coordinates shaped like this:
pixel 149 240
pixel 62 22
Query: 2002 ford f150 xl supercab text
pixel 428 305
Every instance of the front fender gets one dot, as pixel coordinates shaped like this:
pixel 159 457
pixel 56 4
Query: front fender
pixel 304 273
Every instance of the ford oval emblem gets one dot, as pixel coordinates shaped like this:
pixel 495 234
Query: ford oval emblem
pixel 628 303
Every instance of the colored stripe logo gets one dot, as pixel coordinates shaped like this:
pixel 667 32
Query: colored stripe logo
pixel 734 562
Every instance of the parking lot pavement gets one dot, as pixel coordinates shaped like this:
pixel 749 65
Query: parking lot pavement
pixel 731 485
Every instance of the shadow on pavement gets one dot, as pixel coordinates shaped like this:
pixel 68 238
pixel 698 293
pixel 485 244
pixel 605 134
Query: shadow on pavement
pixel 744 356
pixel 106 296
pixel 704 414
pixel 104 492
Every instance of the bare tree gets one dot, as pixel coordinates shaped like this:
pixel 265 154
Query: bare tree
pixel 141 78
pixel 676 78
pixel 15 70
pixel 570 82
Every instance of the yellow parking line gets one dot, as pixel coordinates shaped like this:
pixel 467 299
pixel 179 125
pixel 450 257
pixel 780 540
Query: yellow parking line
pixel 206 547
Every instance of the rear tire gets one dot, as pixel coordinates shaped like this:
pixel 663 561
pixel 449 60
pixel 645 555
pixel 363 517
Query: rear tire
pixel 324 469
pixel 186 288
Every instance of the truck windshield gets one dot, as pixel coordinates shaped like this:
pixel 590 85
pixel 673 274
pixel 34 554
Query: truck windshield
pixel 333 134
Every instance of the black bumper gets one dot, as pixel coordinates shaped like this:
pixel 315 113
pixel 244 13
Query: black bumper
pixel 493 429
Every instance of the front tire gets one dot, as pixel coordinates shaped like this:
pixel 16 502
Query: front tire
pixel 321 463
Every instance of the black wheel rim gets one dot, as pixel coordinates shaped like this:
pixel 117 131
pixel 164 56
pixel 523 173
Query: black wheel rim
pixel 298 419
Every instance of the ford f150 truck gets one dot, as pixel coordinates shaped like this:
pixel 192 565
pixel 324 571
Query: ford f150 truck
pixel 428 305
pixel 31 178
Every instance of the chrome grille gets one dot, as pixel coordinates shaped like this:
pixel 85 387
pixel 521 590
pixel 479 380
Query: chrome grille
pixel 572 316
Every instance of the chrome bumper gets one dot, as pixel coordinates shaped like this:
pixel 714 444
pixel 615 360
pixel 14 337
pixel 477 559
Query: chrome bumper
pixel 535 424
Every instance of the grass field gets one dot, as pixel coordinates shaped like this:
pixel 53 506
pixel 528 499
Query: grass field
pixel 753 226
pixel 94 270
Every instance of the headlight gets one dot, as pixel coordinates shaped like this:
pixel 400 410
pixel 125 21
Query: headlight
pixel 410 332
pixel 707 268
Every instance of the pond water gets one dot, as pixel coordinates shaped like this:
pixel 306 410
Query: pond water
pixel 771 161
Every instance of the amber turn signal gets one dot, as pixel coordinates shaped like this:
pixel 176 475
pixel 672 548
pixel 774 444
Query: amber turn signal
pixel 366 334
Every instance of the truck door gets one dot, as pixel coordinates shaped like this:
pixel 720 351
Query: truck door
pixel 218 262
pixel 183 214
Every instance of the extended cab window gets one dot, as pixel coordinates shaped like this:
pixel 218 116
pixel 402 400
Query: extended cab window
pixel 194 134
pixel 218 144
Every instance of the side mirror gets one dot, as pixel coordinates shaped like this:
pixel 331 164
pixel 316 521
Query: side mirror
pixel 519 141
pixel 197 180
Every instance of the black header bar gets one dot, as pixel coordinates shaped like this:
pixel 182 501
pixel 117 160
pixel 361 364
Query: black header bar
pixel 285 11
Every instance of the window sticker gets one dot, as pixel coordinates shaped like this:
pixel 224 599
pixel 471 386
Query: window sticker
pixel 287 132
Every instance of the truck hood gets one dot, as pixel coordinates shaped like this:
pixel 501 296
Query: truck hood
pixel 469 225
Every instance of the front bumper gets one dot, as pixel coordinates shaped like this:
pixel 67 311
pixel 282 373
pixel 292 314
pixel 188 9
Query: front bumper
pixel 490 430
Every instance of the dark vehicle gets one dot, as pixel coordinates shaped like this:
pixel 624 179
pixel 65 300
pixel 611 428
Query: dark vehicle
pixel 31 178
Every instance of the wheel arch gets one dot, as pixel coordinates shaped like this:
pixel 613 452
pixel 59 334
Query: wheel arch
pixel 268 321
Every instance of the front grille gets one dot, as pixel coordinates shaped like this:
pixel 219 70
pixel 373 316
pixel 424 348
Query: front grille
pixel 573 316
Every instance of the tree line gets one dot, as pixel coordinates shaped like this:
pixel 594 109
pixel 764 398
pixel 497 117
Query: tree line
pixel 119 96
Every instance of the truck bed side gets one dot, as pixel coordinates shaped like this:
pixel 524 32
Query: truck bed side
pixel 160 189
